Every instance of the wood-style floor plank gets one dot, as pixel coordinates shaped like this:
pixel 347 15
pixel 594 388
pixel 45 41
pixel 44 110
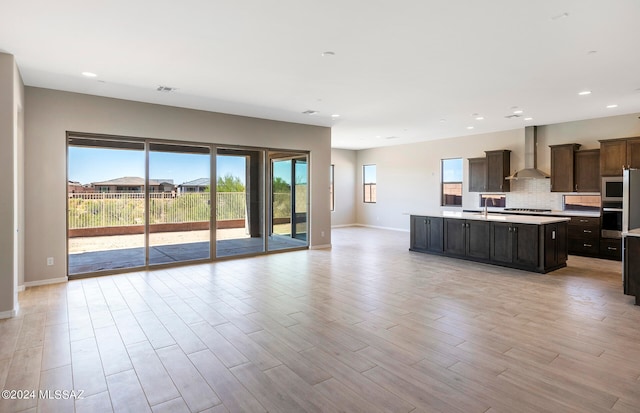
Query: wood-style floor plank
pixel 365 326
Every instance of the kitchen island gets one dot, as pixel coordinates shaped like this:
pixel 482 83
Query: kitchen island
pixel 531 243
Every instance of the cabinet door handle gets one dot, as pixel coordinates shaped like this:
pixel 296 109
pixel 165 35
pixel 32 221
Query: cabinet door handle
pixel 553 235
pixel 464 225
pixel 612 248
pixel 584 220
pixel 576 187
pixel 587 245
pixel 515 229
pixel 586 231
pixel 510 229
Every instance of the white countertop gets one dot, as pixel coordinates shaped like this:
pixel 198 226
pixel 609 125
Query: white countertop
pixel 632 233
pixel 554 212
pixel 478 216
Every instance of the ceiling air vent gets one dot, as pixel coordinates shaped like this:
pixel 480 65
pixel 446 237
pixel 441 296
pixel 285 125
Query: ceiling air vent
pixel 166 89
pixel 310 112
pixel 513 116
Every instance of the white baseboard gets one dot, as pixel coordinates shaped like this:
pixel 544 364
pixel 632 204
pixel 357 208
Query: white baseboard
pixel 9 314
pixel 46 282
pixel 377 227
pixel 21 288
pixel 320 247
pixel 343 225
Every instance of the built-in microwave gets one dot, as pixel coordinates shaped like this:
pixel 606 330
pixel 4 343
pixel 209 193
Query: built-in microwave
pixel 611 189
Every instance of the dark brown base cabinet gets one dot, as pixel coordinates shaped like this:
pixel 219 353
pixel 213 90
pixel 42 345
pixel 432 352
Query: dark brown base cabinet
pixel 632 267
pixel 584 236
pixel 611 248
pixel 467 238
pixel 515 244
pixel 426 234
pixel 537 248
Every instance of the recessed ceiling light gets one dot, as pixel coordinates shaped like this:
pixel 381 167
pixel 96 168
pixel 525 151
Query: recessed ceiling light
pixel 479 117
pixel 612 106
pixel 585 93
pixel 560 16
pixel 528 119
pixel 335 115
pixel 392 137
pixel 310 112
pixel 89 74
pixel 328 53
pixel 518 111
pixel 470 127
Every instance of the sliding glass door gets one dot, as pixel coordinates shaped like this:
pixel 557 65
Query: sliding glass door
pixel 139 203
pixel 105 205
pixel 289 200
pixel 239 202
pixel 179 199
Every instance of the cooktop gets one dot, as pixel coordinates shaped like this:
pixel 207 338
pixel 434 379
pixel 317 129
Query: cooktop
pixel 527 210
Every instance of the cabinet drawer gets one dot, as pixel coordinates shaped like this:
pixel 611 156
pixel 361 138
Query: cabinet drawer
pixel 579 246
pixel 611 248
pixel 585 233
pixel 585 222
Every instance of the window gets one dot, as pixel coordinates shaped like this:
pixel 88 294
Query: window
pixel 493 200
pixel 332 188
pixel 452 182
pixel 369 181
pixel 581 203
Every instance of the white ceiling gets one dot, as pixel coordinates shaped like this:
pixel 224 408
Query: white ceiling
pixel 414 70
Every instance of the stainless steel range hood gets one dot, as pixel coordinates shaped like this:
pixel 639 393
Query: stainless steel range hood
pixel 530 170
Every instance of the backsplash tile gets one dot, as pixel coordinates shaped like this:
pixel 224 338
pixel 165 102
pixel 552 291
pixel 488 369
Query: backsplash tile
pixel 533 193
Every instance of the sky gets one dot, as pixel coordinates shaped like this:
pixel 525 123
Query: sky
pixel 452 170
pixel 87 165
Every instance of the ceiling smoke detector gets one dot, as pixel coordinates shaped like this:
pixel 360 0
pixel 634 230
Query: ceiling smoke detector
pixel 513 116
pixel 310 112
pixel 166 89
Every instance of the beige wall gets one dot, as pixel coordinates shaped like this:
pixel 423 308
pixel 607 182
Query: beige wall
pixel 11 103
pixel 50 114
pixel 408 176
pixel 345 168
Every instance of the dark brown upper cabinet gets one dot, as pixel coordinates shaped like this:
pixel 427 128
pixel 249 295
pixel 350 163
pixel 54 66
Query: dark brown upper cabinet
pixel 498 168
pixel 562 165
pixel 573 170
pixel 477 174
pixel 587 170
pixel 618 154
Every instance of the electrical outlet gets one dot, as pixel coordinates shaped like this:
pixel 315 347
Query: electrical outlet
pixel 322 234
pixel 50 261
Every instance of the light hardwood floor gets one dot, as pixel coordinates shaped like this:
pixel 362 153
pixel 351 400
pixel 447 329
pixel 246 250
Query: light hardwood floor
pixel 365 327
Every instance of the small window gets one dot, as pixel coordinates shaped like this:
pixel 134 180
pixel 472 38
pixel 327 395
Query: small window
pixel 589 203
pixel 369 180
pixel 493 200
pixel 332 188
pixel 452 182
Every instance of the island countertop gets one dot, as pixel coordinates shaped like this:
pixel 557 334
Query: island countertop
pixel 632 233
pixel 480 216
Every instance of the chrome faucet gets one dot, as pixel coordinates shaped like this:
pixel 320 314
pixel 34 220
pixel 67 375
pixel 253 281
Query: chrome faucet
pixel 486 204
